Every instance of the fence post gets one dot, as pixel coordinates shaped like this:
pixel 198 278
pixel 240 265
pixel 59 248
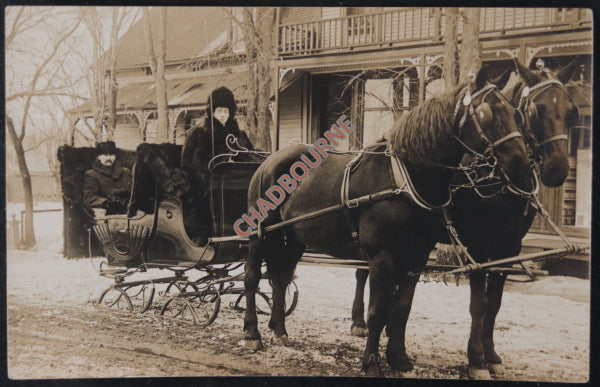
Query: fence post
pixel 14 240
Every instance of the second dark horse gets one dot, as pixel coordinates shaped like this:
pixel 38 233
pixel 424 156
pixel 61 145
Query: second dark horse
pixel 493 228
pixel 395 234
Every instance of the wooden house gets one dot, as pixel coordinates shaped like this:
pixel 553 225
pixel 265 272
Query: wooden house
pixel 373 63
pixel 203 53
pixel 369 63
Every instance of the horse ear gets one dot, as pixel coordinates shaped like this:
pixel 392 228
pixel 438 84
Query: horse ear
pixel 501 80
pixel 567 73
pixel 528 76
pixel 482 77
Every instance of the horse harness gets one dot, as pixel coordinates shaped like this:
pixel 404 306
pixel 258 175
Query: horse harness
pixel 481 116
pixel 528 110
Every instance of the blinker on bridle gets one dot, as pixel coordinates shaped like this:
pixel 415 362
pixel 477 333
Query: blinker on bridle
pixel 481 116
pixel 528 109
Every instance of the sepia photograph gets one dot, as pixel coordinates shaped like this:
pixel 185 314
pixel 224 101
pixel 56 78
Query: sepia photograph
pixel 251 191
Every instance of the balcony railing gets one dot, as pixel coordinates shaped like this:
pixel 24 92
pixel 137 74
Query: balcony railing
pixel 412 25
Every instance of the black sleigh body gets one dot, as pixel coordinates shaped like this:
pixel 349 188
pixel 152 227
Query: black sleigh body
pixel 152 234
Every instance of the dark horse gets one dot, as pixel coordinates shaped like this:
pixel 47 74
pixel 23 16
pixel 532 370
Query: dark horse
pixel 396 234
pixel 493 228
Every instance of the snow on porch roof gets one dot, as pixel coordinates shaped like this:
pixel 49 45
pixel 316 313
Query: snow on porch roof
pixel 181 92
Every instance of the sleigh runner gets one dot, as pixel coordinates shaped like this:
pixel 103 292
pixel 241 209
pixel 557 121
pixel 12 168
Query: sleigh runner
pixel 152 235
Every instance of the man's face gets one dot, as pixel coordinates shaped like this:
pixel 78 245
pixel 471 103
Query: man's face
pixel 221 114
pixel 107 160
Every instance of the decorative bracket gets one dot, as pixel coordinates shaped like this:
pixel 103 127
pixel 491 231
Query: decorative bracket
pixel 282 73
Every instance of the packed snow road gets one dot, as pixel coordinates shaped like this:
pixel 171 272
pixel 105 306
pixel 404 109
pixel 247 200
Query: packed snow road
pixel 55 331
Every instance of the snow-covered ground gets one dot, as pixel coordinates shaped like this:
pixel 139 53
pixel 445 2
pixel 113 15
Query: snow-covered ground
pixel 542 331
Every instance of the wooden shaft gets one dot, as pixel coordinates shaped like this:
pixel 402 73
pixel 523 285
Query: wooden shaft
pixel 518 258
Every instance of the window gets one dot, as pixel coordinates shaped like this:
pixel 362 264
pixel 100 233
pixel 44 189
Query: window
pixel 378 109
pixel 385 100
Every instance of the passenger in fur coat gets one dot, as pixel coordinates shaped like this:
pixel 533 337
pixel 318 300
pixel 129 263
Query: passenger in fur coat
pixel 198 151
pixel 220 121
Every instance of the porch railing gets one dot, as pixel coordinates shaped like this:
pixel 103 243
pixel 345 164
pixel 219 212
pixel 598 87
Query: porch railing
pixel 412 25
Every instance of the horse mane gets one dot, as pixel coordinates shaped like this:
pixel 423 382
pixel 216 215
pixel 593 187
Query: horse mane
pixel 423 133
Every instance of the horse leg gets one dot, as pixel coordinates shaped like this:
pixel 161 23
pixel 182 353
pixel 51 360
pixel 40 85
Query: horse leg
pixel 477 366
pixel 494 296
pixel 359 326
pixel 281 270
pixel 396 348
pixel 252 275
pixel 381 286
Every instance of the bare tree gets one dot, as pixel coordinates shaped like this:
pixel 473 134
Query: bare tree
pixel 25 84
pixel 258 34
pixel 102 82
pixel 157 55
pixel 470 53
pixel 451 48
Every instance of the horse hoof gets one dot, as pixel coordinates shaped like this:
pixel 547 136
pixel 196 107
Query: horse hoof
pixel 359 331
pixel 479 373
pixel 373 371
pixel 495 368
pixel 254 345
pixel 402 364
pixel 281 340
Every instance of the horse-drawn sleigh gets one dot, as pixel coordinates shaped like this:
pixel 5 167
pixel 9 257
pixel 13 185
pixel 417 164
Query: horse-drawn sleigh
pixel 388 223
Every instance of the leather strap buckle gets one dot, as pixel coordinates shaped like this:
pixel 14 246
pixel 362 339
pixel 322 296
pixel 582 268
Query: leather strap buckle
pixel 352 203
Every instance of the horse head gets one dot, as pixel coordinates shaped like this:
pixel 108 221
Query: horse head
pixel 548 111
pixel 488 131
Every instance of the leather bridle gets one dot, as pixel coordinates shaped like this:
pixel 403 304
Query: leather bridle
pixel 528 110
pixel 481 116
pixel 486 160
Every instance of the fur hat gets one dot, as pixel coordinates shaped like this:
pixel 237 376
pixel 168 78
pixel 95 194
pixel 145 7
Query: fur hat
pixel 222 97
pixel 106 148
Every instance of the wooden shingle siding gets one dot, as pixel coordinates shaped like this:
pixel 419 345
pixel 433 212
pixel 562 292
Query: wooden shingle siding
pixel 290 115
pixel 299 14
pixel 331 12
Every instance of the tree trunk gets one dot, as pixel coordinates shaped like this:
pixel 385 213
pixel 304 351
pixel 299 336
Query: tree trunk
pixel 111 119
pixel 266 22
pixel 113 87
pixel 450 48
pixel 470 48
pixel 161 83
pixel 156 60
pixel 29 234
pixel 252 76
pixel 257 26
